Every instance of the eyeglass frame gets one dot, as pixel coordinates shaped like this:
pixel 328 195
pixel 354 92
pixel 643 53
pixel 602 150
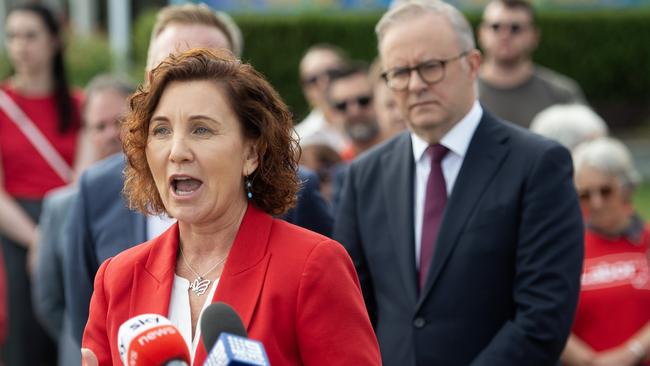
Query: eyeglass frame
pixel 443 64
pixel 605 192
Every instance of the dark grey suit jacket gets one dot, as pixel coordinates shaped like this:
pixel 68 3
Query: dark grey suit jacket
pixel 101 226
pixel 47 285
pixel 504 280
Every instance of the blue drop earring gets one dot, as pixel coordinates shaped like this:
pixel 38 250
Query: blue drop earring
pixel 249 185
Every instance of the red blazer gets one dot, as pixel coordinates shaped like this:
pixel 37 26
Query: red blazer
pixel 296 291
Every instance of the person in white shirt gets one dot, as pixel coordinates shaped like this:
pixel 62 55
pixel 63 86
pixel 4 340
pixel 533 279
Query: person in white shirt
pixel 319 126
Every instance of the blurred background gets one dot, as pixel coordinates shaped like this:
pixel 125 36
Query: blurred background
pixel 602 44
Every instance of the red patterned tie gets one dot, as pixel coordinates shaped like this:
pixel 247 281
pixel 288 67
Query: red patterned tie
pixel 434 206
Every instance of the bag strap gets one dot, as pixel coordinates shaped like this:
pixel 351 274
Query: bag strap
pixel 35 137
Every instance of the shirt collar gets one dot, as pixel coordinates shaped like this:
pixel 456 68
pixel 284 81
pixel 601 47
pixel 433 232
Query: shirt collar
pixel 457 139
pixel 633 233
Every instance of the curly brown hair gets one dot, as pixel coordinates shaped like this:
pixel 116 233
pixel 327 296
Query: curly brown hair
pixel 263 116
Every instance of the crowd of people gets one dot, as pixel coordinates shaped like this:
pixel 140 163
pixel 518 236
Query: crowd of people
pixel 440 206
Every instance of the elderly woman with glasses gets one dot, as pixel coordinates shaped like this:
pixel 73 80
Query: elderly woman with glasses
pixel 612 325
pixel 210 143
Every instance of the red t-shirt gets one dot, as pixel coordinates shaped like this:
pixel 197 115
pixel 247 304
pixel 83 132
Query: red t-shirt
pixel 615 293
pixel 26 173
pixel 348 154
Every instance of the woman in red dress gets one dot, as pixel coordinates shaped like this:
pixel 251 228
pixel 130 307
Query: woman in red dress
pixel 39 125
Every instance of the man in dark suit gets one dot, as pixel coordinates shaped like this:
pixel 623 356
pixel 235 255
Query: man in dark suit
pixel 104 107
pixel 465 231
pixel 100 224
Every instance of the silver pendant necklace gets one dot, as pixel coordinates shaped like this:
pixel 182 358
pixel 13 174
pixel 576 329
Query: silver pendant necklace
pixel 200 285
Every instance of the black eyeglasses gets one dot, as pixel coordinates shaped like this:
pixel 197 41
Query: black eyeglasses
pixel 430 72
pixel 513 28
pixel 605 192
pixel 362 101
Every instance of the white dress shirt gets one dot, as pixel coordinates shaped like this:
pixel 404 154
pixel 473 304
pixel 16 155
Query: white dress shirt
pixel 157 225
pixel 315 130
pixel 180 314
pixel 457 141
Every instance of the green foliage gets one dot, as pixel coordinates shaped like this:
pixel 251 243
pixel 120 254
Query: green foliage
pixel 642 200
pixel 140 41
pixel 5 67
pixel 606 52
pixel 275 45
pixel 86 57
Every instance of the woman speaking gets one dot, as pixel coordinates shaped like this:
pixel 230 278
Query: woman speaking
pixel 209 142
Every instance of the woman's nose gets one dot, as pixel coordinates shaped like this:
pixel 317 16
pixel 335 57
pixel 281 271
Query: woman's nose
pixel 180 151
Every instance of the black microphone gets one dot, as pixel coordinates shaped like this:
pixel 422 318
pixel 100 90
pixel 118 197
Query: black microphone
pixel 217 318
pixel 222 327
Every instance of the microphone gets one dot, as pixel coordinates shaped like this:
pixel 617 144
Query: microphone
pixel 222 327
pixel 233 350
pixel 151 340
pixel 217 318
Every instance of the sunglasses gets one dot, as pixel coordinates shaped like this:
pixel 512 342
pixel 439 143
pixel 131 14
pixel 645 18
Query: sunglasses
pixel 362 101
pixel 316 78
pixel 605 192
pixel 513 28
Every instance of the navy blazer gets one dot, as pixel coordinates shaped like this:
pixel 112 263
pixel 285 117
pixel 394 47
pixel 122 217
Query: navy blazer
pixel 503 284
pixel 100 226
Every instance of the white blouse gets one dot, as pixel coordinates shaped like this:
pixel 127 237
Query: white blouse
pixel 180 314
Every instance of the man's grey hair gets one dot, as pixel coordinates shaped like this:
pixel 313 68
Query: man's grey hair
pixel 404 10
pixel 608 156
pixel 569 124
pixel 103 82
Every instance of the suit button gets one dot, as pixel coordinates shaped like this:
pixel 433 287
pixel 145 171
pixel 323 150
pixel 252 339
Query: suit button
pixel 419 323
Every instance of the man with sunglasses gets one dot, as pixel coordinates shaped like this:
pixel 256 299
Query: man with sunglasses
pixel 510 85
pixel 319 127
pixel 465 231
pixel 350 95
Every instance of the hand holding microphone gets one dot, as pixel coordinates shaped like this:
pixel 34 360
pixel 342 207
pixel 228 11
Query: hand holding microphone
pixel 88 357
pixel 224 333
pixel 151 340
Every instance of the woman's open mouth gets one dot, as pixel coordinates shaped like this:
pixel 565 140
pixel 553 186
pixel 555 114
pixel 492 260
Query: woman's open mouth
pixel 183 185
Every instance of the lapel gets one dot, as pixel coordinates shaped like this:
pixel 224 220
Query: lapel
pixel 485 154
pixel 398 169
pixel 153 278
pixel 241 282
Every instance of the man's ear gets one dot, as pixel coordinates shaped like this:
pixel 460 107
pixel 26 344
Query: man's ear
pixel 474 61
pixel 537 35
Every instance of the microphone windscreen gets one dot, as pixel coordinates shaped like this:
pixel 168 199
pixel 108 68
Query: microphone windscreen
pixel 232 350
pixel 218 318
pixel 151 340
